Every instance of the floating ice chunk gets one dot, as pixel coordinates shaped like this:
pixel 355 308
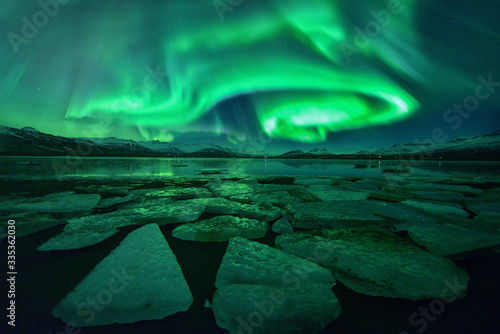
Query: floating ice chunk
pixel 250 262
pixel 90 230
pixel 162 211
pixel 61 203
pixel 360 186
pixel 85 231
pixel 221 228
pixel 248 180
pixel 436 209
pixel 494 191
pixel 270 188
pixel 485 208
pixel 376 262
pixel 308 181
pixel 447 239
pixel 262 309
pixel 287 294
pixel 282 226
pixel 488 221
pixel 442 196
pixel 388 196
pixel 329 193
pixel 265 212
pixel 223 206
pixel 207 304
pixel 115 201
pixel 277 198
pixel 227 189
pixel 427 186
pixel 394 211
pixel 216 205
pixel 303 195
pixel 68 240
pixel 138 280
pixel 177 193
pixel 328 215
pixel 31 222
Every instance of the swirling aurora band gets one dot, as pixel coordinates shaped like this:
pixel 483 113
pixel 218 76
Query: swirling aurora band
pixel 285 56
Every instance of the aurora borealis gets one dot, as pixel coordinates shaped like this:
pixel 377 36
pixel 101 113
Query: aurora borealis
pixel 296 72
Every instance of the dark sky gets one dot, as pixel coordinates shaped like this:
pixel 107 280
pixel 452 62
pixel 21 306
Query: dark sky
pixel 274 75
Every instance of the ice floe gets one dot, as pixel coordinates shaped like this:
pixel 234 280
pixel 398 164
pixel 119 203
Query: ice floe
pixel 223 206
pixel 308 181
pixel 113 202
pixel 316 215
pixel 85 231
pixel 376 262
pixel 436 209
pixel 221 228
pixel 176 193
pixel 329 193
pixel 57 203
pixel 139 280
pixel 90 230
pixel 31 222
pixel 448 239
pixel 261 289
pixel 282 226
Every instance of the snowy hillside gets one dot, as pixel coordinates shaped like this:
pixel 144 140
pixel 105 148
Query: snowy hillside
pixel 30 142
pixel 485 147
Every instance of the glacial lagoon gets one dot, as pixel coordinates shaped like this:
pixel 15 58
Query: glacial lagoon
pixel 50 167
pixel 395 237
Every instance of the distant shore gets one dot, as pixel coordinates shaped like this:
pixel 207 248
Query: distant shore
pixel 409 159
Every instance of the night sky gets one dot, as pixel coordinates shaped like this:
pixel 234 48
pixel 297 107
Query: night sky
pixel 268 74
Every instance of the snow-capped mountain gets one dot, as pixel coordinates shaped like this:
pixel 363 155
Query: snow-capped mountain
pixel 486 147
pixel 30 142
pixel 292 154
pixel 314 153
pixel 406 148
pixel 321 152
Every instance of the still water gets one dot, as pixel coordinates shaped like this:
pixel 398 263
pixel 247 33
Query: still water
pixel 62 167
pixel 45 278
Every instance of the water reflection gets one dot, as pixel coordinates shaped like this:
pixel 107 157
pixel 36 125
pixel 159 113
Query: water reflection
pixel 43 167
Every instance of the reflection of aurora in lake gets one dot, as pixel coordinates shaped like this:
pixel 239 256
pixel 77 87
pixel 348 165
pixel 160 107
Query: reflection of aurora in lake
pixel 303 68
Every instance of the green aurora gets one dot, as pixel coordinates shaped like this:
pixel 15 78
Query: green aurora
pixel 160 69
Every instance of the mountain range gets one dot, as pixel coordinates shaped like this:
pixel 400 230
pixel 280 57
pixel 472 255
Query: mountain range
pixel 31 142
